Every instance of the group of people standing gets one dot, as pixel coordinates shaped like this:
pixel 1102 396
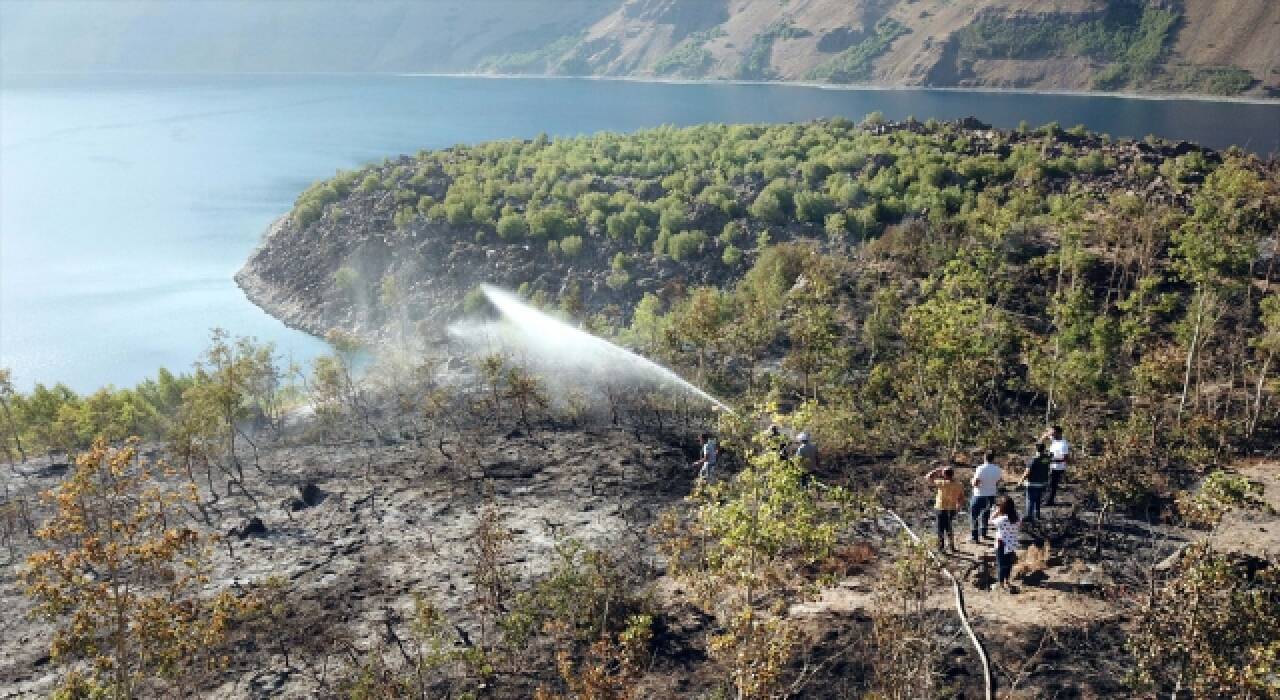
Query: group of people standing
pixel 1041 476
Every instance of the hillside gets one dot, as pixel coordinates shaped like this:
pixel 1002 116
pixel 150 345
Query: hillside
pixel 1034 44
pixel 590 224
pixel 444 507
pixel 1175 46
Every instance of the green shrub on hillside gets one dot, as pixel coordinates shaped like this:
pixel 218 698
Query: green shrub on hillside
pixel 686 244
pixel 855 64
pixel 689 58
pixel 535 61
pixel 571 246
pixel 1129 36
pixel 756 65
pixel 512 227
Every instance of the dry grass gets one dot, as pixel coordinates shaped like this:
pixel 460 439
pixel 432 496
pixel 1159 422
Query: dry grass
pixel 1033 562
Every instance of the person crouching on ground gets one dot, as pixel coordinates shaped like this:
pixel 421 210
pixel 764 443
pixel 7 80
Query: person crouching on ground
pixel 986 485
pixel 1036 477
pixel 710 454
pixel 947 501
pixel 1005 521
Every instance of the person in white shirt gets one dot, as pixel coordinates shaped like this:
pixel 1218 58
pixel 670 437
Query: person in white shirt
pixel 1059 458
pixel 710 455
pixel 986 484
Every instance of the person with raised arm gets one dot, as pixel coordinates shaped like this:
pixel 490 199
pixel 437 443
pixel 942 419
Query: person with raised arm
pixel 947 501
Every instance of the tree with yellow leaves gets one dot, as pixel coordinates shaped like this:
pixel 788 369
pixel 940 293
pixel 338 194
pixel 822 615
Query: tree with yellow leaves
pixel 122 577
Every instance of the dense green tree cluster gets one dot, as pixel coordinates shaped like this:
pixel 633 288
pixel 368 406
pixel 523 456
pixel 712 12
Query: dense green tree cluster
pixel 1132 37
pixel 855 63
pixel 691 193
pixel 236 381
pixel 1065 306
pixel 940 286
pixel 55 418
pixel 689 58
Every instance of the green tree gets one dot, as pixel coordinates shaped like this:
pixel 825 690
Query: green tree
pixel 512 227
pixel 759 532
pixel 955 350
pixel 571 246
pixel 1212 629
pixel 698 321
pixel 1213 250
pixel 773 204
pixel 12 431
pixel 228 378
pixel 813 207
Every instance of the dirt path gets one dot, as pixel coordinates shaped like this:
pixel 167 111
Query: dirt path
pixel 1254 531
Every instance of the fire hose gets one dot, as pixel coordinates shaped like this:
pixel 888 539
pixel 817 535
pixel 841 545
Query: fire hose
pixel 960 609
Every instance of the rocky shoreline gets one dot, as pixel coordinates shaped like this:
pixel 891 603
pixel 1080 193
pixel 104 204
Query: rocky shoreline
pixel 272 298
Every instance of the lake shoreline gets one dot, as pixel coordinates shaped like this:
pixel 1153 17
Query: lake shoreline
pixel 868 87
pixel 269 297
pixel 849 87
pixel 257 142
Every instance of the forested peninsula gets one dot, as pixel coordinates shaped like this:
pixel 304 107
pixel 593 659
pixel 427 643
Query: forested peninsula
pixel 415 515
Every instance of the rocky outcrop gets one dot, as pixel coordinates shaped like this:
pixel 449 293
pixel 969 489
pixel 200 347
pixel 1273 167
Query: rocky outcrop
pixel 292 276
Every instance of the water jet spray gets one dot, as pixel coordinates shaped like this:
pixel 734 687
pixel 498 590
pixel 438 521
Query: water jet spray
pixel 554 341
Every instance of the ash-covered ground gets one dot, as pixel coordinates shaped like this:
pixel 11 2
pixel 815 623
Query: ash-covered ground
pixel 352 531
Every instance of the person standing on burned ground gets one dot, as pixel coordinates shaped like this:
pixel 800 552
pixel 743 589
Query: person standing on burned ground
pixel 1005 521
pixel 807 453
pixel 710 455
pixel 1059 458
pixel 986 485
pixel 949 497
pixel 1036 477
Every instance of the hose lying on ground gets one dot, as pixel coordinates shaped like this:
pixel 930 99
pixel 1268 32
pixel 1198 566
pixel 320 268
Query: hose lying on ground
pixel 960 610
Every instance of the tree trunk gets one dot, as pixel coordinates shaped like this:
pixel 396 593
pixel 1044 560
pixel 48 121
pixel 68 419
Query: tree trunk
pixel 13 427
pixel 1256 413
pixel 1057 338
pixel 1191 353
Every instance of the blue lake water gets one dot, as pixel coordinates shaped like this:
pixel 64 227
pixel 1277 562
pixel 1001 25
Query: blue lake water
pixel 127 203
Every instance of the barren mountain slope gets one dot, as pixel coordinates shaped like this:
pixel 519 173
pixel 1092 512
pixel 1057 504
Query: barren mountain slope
pixel 1225 47
pixel 1160 45
pixel 1244 33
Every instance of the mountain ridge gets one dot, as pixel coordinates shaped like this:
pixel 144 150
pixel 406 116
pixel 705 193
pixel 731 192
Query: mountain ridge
pixel 1140 46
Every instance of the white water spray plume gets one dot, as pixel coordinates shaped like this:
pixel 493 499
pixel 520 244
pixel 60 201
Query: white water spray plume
pixel 552 343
